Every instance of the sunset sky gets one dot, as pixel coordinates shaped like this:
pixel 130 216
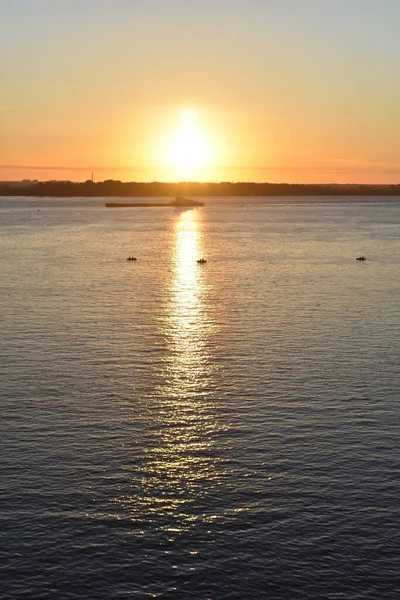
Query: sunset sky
pixel 232 90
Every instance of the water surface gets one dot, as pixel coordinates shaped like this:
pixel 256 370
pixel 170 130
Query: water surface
pixel 175 430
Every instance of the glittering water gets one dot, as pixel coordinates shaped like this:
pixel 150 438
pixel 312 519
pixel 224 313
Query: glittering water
pixel 173 430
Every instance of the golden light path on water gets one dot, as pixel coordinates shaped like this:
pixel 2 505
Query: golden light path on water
pixel 180 469
pixel 189 324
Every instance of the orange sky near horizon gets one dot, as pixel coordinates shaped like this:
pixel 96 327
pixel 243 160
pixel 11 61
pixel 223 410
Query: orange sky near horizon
pixel 223 91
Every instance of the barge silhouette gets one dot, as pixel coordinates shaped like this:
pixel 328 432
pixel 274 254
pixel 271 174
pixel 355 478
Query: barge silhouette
pixel 178 202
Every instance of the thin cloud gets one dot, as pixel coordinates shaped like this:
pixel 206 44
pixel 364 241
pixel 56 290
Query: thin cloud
pixel 68 168
pixel 371 169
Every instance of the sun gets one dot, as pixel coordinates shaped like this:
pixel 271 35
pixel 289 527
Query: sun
pixel 187 148
pixel 187 151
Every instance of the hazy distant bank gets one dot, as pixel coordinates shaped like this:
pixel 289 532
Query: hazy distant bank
pixel 157 189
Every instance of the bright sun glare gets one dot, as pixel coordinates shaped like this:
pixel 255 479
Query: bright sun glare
pixel 186 150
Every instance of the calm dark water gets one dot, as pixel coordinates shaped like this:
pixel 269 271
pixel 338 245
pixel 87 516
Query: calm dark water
pixel 222 431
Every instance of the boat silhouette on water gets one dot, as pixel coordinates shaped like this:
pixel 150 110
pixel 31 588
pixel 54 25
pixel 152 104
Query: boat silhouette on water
pixel 177 202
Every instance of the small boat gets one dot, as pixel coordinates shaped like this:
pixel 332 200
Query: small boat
pixel 201 261
pixel 361 258
pixel 131 258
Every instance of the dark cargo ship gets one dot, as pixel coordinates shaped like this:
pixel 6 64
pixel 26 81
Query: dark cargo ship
pixel 178 202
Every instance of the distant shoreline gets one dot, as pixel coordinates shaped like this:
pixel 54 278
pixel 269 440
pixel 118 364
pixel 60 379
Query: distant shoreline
pixel 118 189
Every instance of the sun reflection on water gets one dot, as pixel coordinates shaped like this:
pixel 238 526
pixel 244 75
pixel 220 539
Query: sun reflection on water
pixel 181 466
pixel 188 324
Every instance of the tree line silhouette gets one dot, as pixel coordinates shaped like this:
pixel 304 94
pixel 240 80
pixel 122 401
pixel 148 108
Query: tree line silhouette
pixel 113 188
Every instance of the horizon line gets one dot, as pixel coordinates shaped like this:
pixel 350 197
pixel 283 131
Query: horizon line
pixel 194 182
